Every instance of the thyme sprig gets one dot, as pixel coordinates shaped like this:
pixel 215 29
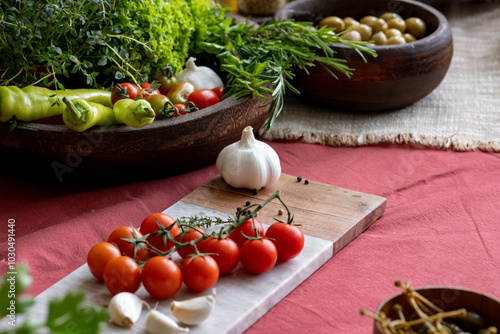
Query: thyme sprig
pixel 260 60
pixel 227 226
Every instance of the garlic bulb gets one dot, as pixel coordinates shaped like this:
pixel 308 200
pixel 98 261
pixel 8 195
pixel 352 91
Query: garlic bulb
pixel 159 323
pixel 125 309
pixel 249 163
pixel 201 77
pixel 195 310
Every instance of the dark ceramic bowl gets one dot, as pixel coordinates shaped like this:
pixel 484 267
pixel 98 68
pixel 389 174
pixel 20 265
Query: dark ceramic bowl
pixel 448 299
pixel 399 76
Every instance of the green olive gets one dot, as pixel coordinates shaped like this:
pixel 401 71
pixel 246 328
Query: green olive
pixel 349 21
pixel 409 38
pixel 368 20
pixel 364 30
pixel 351 36
pixel 374 22
pixel 379 38
pixel 395 40
pixel 392 32
pixel 387 16
pixel 416 27
pixel 397 23
pixel 333 22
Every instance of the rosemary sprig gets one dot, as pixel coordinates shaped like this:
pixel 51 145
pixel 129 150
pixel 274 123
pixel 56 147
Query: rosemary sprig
pixel 260 60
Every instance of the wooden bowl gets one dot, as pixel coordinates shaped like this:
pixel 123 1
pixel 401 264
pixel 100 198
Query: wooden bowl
pixel 399 76
pixel 164 148
pixel 448 299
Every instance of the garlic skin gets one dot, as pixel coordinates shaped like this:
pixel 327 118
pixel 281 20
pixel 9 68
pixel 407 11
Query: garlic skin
pixel 159 323
pixel 125 309
pixel 195 310
pixel 201 77
pixel 249 163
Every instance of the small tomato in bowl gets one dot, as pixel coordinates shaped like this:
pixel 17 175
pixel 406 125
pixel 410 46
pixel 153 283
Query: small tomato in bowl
pixel 203 98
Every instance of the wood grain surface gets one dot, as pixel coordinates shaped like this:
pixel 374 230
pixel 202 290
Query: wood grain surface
pixel 323 210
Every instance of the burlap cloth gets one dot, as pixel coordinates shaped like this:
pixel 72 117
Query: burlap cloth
pixel 462 113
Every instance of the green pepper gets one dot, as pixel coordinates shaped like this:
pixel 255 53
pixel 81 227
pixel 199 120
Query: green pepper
pixel 134 113
pixel 31 102
pixel 79 115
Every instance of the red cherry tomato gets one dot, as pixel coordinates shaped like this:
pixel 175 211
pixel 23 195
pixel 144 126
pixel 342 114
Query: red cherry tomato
pixel 247 229
pixel 122 274
pixel 224 251
pixel 99 255
pixel 127 248
pixel 149 225
pixel 187 236
pixel 258 255
pixel 203 98
pixel 147 91
pixel 180 107
pixel 219 91
pixel 125 90
pixel 288 239
pixel 161 277
pixel 199 273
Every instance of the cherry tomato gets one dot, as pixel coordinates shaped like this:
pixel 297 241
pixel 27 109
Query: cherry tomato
pixel 288 239
pixel 157 102
pixel 258 255
pixel 127 248
pixel 122 274
pixel 203 98
pixel 247 229
pixel 199 273
pixel 150 225
pixel 180 107
pixel 147 91
pixel 219 91
pixel 166 82
pixel 179 93
pixel 161 277
pixel 224 251
pixel 99 255
pixel 125 90
pixel 187 236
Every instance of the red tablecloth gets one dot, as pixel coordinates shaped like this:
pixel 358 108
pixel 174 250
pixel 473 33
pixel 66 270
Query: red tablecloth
pixel 441 227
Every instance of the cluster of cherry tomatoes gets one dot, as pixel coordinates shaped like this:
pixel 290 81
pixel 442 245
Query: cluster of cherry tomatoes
pixel 117 261
pixel 168 92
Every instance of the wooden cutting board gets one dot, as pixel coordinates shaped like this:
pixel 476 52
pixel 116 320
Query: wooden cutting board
pixel 330 216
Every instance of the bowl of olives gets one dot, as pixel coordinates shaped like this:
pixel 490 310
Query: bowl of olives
pixel 437 310
pixel 414 47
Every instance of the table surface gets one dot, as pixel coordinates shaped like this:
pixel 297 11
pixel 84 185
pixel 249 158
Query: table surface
pixel 440 227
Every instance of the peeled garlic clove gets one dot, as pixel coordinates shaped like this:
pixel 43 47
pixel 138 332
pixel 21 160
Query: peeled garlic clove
pixel 159 323
pixel 125 309
pixel 193 311
pixel 249 163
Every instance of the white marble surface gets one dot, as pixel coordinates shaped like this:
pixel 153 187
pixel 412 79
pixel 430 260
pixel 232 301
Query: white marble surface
pixel 242 298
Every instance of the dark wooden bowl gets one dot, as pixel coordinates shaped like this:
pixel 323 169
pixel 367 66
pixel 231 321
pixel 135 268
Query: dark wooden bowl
pixel 448 299
pixel 164 148
pixel 399 76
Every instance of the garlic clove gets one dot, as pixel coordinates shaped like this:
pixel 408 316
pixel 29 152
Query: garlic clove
pixel 159 323
pixel 202 77
pixel 125 309
pixel 195 310
pixel 249 163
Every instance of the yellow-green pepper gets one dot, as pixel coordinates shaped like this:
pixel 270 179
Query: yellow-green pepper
pixel 79 115
pixel 134 113
pixel 31 102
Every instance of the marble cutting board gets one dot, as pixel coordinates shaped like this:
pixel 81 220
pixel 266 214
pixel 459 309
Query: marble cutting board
pixel 330 216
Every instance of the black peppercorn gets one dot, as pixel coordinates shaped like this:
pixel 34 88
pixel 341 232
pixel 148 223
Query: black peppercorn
pixel 306 181
pixel 299 179
pixel 247 203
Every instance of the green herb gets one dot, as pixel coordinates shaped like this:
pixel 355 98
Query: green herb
pixel 66 313
pixel 260 60
pixel 96 43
